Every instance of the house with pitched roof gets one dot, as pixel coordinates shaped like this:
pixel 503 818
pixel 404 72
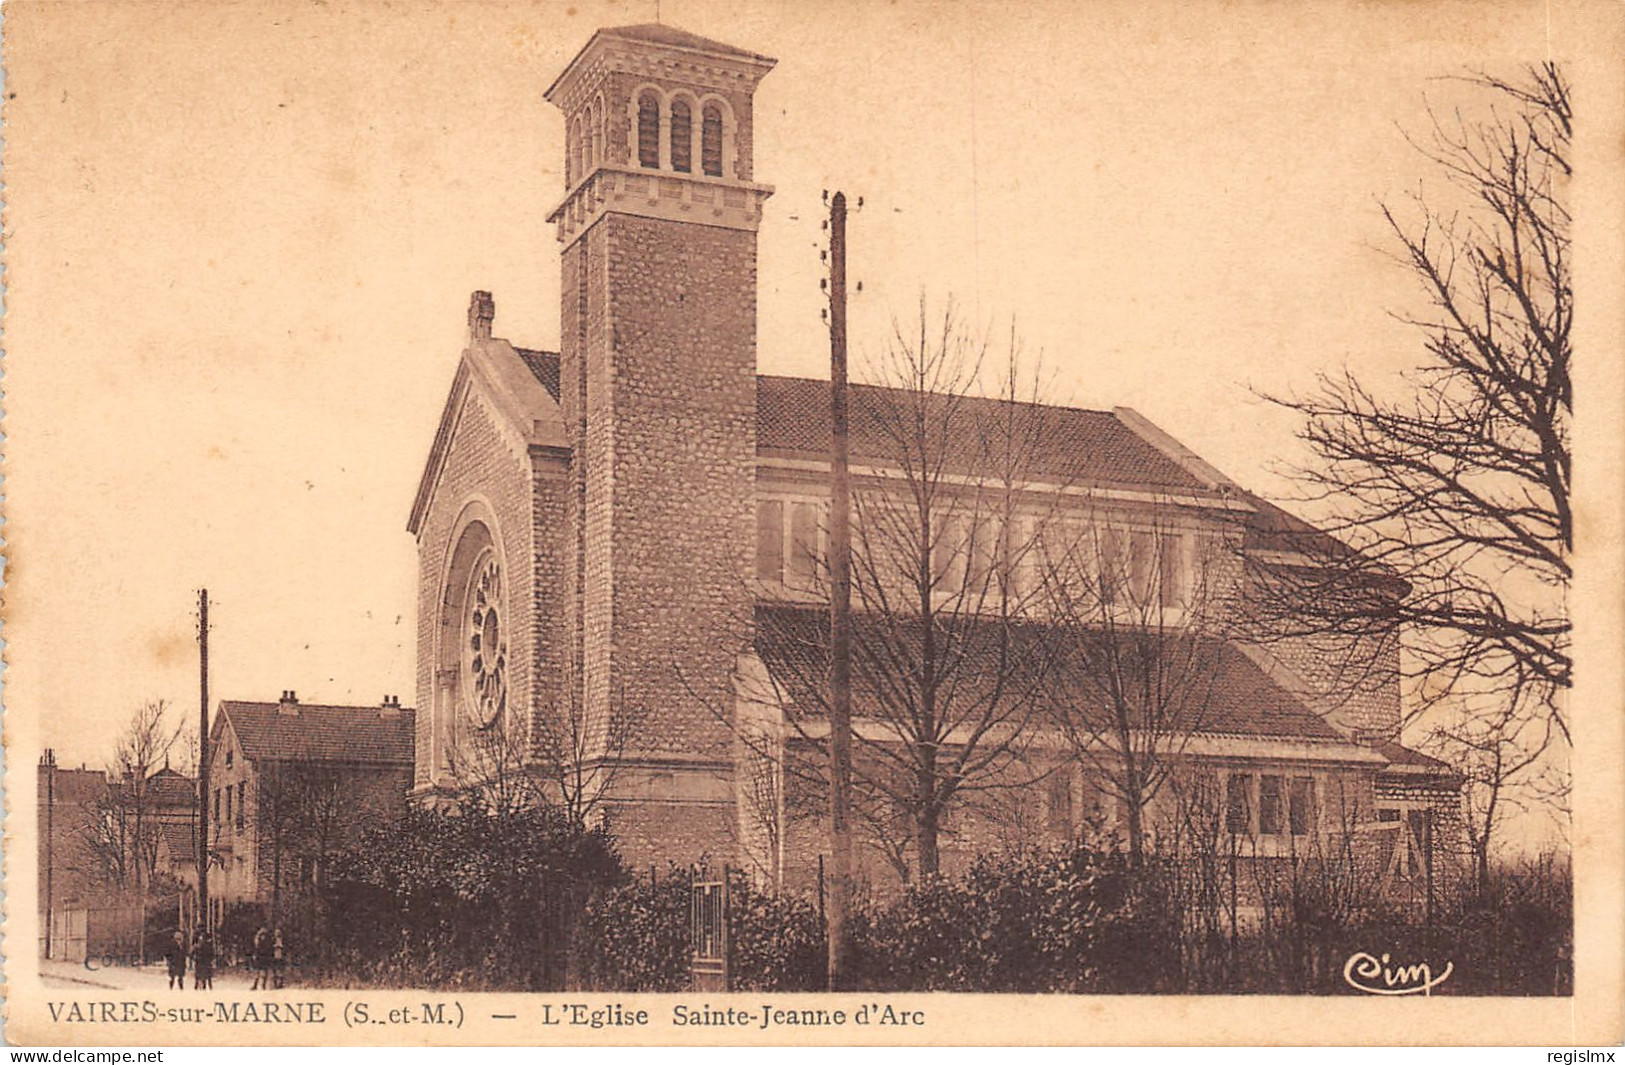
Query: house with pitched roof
pixel 290 784
pixel 632 528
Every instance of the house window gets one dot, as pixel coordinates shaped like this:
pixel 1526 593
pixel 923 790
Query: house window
pixel 649 130
pixel 682 136
pixel 711 141
pixel 803 565
pixel 1270 811
pixel 228 803
pixel 1301 806
pixel 770 540
pixel 1237 804
pixel 228 757
pixel 217 806
pixel 241 805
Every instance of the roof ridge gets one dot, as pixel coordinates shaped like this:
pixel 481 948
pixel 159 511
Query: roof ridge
pixel 986 399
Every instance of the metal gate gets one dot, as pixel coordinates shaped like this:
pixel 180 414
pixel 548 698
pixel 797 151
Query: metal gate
pixel 70 934
pixel 708 932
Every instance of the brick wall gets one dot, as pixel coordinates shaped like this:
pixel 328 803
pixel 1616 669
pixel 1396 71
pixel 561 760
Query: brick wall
pixel 481 462
pixel 681 459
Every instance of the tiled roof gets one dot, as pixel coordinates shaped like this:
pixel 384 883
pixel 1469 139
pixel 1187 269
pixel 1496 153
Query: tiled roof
pixel 179 839
pixel 165 788
pixel 1076 446
pixel 168 786
pixel 1401 755
pixel 359 734
pixel 791 642
pixel 545 366
pixel 657 33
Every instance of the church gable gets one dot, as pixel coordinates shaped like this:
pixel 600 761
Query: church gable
pixel 517 389
pixel 478 550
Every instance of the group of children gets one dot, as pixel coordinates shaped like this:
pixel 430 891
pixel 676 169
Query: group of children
pixel 202 956
pixel 267 958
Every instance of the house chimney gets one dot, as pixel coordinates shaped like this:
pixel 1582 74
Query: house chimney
pixel 392 706
pixel 289 704
pixel 481 310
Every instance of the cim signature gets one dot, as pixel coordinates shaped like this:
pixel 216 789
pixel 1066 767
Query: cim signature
pixel 1363 971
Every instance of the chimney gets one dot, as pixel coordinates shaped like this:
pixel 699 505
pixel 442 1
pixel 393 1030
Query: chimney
pixel 481 310
pixel 289 703
pixel 392 706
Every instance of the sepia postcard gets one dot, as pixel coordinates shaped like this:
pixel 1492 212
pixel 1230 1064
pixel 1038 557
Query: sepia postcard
pixel 673 522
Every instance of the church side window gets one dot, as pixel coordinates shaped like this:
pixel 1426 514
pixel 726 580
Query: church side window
pixel 711 140
pixel 1058 812
pixel 770 540
pixel 803 568
pixel 242 807
pixel 682 136
pixel 1301 806
pixel 217 806
pixel 1270 819
pixel 1172 570
pixel 1142 553
pixel 1237 804
pixel 948 555
pixel 228 803
pixel 649 130
pixel 1111 563
pixel 1014 559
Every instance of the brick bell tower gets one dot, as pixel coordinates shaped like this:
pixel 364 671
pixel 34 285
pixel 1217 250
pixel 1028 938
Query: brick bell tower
pixel 658 389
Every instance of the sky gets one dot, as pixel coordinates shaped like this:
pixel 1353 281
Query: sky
pixel 242 238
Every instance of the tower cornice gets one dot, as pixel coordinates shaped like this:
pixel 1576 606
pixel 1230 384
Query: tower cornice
pixel 727 203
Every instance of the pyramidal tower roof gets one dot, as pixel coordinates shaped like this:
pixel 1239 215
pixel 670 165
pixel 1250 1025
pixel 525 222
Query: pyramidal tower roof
pixel 672 37
pixel 663 36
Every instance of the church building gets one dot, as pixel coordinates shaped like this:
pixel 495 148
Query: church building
pixel 618 540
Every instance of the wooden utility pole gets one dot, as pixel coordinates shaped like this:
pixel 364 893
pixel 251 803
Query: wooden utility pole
pixel 840 614
pixel 203 761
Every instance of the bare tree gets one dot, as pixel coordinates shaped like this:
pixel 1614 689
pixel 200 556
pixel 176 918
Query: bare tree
pixel 947 660
pixel 581 755
pixel 124 832
pixel 491 764
pixel 304 810
pixel 1139 616
pixel 563 757
pixel 1457 493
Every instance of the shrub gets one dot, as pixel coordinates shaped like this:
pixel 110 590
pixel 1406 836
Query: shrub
pixel 1062 920
pixel 464 897
pixel 636 936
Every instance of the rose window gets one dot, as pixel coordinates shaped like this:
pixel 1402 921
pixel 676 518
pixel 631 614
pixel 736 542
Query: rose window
pixel 487 644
